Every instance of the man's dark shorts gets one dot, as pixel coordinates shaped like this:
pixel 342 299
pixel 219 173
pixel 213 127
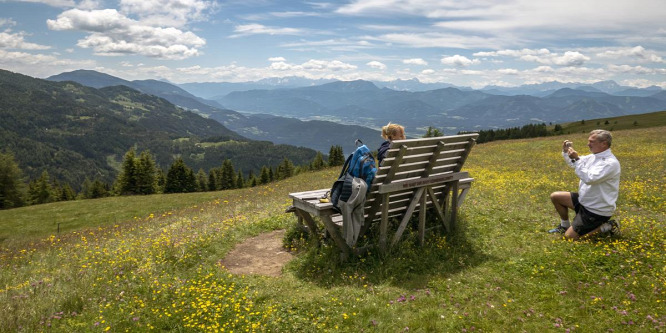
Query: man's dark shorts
pixel 585 221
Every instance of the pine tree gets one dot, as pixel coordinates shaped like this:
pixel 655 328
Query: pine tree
pixel 67 193
pixel 264 178
pixel 318 162
pixel 287 169
pixel 40 190
pixel 180 178
pixel 240 182
pixel 202 182
pixel 145 174
pixel 160 180
pixel 227 180
pixel 11 186
pixel 127 180
pixel 212 180
pixel 336 156
pixel 432 132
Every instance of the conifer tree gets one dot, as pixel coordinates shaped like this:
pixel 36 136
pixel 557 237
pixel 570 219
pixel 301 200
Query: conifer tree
pixel 336 156
pixel 11 186
pixel 240 182
pixel 160 179
pixel 202 181
pixel 145 171
pixel 67 193
pixel 180 178
pixel 318 162
pixel 264 178
pixel 271 174
pixel 212 180
pixel 432 132
pixel 227 180
pixel 40 190
pixel 127 180
pixel 286 169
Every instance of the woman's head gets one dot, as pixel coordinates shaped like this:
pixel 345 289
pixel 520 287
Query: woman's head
pixel 393 132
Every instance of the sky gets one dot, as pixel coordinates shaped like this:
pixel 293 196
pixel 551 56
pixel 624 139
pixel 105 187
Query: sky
pixel 473 43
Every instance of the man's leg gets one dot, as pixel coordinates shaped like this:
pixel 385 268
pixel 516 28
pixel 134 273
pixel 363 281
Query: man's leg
pixel 562 202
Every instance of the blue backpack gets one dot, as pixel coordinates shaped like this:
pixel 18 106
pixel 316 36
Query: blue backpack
pixel 360 164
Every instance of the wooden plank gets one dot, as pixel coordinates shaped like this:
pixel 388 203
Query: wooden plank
pixel 429 181
pixel 434 140
pixel 472 142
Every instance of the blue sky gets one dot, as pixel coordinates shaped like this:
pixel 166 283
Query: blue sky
pixel 468 43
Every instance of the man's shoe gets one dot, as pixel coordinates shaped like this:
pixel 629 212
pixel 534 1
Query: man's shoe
pixel 614 227
pixel 559 230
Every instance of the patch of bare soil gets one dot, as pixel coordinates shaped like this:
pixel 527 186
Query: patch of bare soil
pixel 262 255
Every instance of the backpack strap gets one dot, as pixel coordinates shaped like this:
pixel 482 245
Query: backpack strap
pixel 345 167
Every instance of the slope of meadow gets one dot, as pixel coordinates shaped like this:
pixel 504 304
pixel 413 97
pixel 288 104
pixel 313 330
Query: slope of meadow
pixel 499 271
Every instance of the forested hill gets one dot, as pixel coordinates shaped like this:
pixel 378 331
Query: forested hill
pixel 73 131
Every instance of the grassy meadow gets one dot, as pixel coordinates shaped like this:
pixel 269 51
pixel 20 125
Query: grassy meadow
pixel 152 263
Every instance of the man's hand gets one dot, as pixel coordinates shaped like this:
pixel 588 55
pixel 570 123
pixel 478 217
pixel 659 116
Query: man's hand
pixel 566 145
pixel 572 153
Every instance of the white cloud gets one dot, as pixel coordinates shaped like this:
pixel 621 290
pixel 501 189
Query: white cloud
pixel 9 40
pixel 513 53
pixel 6 21
pixel 415 61
pixel 376 65
pixel 640 70
pixel 458 60
pixel 636 53
pixel 334 65
pixel 112 33
pixel 55 3
pixel 258 29
pixel 273 59
pixel 176 13
pixel 542 56
pixel 427 72
pixel 39 65
pixel 508 71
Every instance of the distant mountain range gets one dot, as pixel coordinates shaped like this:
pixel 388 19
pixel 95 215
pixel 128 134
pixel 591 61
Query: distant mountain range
pixel 452 109
pixel 319 135
pixel 315 109
pixel 74 131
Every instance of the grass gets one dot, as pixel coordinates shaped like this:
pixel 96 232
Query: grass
pixel 499 271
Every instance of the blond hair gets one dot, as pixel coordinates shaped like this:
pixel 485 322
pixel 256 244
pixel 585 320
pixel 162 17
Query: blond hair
pixel 393 132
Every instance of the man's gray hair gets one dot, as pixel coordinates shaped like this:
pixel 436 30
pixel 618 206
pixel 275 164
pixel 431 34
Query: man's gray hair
pixel 603 135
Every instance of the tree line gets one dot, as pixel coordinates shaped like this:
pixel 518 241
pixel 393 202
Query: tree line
pixel 140 175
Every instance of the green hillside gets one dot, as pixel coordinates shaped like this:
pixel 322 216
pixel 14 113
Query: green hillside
pixel 74 132
pixel 151 266
pixel 634 121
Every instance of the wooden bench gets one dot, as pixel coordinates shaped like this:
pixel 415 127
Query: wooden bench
pixel 415 173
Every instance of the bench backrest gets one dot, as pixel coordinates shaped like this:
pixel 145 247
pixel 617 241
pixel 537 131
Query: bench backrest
pixel 411 162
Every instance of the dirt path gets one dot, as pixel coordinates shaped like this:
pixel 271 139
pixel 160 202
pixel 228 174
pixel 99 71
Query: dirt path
pixel 262 255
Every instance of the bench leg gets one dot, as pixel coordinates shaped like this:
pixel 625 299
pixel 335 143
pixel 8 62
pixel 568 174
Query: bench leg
pixel 310 223
pixel 422 218
pixel 335 234
pixel 454 204
pixel 383 226
pixel 407 216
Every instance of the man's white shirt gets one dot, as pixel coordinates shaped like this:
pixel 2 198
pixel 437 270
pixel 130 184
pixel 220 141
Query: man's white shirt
pixel 599 183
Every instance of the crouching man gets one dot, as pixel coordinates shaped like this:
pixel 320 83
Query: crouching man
pixel 599 185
